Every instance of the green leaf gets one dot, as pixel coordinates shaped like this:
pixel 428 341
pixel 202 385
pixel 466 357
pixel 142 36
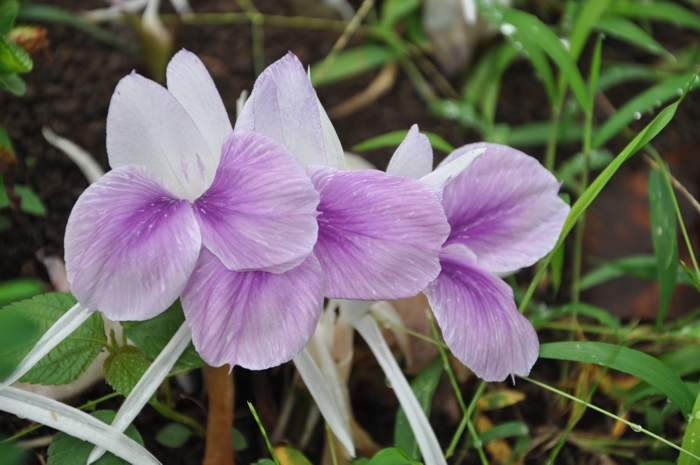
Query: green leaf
pixel 173 435
pixel 538 60
pixel 691 276
pixel 152 335
pixel 125 367
pixel 238 441
pixel 20 289
pixel 665 238
pixel 30 201
pixel 423 386
pixel 505 430
pixel 630 361
pixel 538 134
pixel 15 328
pixel 396 10
pixel 4 199
pixel 691 437
pixel 539 33
pixel 649 100
pixel 625 30
pixel 13 84
pixel 556 266
pixel 67 450
pixel 573 167
pixel 686 360
pixel 13 59
pixel 391 456
pixel 5 144
pixel 614 75
pixel 264 462
pixel 657 11
pixel 351 63
pixel 288 455
pixel 8 13
pixel 599 314
pixel 588 16
pixel 11 454
pixel 394 139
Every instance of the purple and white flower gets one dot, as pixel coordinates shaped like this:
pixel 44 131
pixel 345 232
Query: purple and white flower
pixel 185 191
pixel 504 214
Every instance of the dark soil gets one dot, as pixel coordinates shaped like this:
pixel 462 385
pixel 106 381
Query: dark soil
pixel 70 88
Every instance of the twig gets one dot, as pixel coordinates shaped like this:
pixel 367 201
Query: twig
pixel 379 86
pixel 220 390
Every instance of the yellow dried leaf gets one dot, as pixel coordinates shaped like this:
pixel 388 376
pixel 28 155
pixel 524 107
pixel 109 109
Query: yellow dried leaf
pixel 498 399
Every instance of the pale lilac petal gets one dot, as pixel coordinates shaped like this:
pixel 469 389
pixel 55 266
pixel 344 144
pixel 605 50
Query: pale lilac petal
pixel 335 155
pixel 130 246
pixel 414 157
pixel 505 208
pixel 254 319
pixel 446 173
pixel 283 105
pixel 480 322
pixel 379 235
pixel 147 126
pixel 192 86
pixel 260 212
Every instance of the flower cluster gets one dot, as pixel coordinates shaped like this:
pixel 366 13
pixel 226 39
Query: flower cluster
pixel 253 226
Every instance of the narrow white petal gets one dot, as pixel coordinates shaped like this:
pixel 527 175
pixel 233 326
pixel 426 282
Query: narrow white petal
pixel 312 376
pixel 78 155
pixel 148 383
pixel 443 174
pixel 427 442
pixel 334 150
pixel 60 330
pixel 469 11
pixel 72 421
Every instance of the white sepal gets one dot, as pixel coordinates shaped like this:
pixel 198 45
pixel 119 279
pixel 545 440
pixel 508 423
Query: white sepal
pixel 78 155
pixel 60 330
pixel 333 413
pixel 148 383
pixel 72 421
pixel 442 176
pixel 425 436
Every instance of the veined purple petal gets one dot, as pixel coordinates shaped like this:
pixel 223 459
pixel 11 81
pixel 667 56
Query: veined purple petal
pixel 414 157
pixel 192 86
pixel 379 235
pixel 283 105
pixel 254 319
pixel 147 126
pixel 260 212
pixel 505 208
pixel 480 322
pixel 130 246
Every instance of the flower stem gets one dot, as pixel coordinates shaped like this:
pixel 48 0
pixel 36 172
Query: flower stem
pixel 220 389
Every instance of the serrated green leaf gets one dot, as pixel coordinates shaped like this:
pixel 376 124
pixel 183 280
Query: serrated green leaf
pixel 664 237
pixel 423 386
pixel 351 63
pixel 8 13
pixel 630 361
pixel 13 84
pixel 625 30
pixel 395 10
pixel 505 430
pixel 657 11
pixel 67 450
pixel 394 139
pixel 174 435
pixel 154 334
pixel 13 59
pixel 649 100
pixel 69 359
pixel 11 454
pixel 29 201
pixel 15 328
pixel 125 367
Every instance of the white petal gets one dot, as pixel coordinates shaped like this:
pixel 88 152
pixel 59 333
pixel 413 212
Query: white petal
pixel 60 330
pixel 148 383
pixel 414 157
pixel 425 436
pixel 445 173
pixel 73 422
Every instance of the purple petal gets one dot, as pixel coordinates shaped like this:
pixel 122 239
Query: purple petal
pixel 505 208
pixel 480 322
pixel 260 212
pixel 130 246
pixel 147 126
pixel 284 106
pixel 193 87
pixel 254 319
pixel 414 157
pixel 379 235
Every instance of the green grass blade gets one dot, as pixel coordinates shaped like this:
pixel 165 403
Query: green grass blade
pixel 630 361
pixel 648 100
pixel 638 266
pixel 587 18
pixel 538 133
pixel 539 33
pixel 351 63
pixel 617 74
pixel 625 30
pixel 691 438
pixel 665 238
pixel 657 11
